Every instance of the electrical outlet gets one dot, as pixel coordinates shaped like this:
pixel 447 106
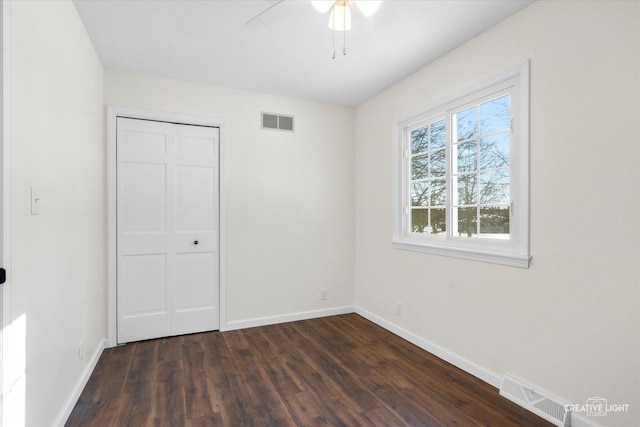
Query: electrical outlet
pixel 398 308
pixel 81 351
pixel 323 294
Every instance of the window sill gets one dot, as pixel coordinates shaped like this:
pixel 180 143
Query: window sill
pixel 513 260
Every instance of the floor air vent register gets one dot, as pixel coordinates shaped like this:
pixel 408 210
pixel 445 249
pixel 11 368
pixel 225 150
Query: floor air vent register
pixel 549 408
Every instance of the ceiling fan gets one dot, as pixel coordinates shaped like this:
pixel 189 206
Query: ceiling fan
pixel 340 17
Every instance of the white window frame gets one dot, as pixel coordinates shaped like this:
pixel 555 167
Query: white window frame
pixel 515 250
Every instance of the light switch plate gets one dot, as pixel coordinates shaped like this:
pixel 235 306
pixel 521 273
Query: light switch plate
pixel 35 201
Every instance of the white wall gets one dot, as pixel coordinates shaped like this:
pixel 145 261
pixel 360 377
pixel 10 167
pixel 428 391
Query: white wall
pixel 290 200
pixel 569 324
pixel 59 265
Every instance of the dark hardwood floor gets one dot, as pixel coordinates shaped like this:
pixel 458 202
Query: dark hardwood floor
pixel 336 371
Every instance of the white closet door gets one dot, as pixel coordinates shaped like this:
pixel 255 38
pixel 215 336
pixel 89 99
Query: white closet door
pixel 167 221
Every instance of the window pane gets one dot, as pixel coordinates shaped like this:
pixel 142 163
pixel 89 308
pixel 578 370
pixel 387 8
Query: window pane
pixel 494 222
pixel 419 140
pixel 438 165
pixel 438 220
pixel 419 193
pixel 467 156
pixel 438 193
pixel 494 187
pixel 467 189
pixel 428 221
pixel 438 134
pixel 419 220
pixel 495 115
pixel 467 124
pixel 494 151
pixel 419 167
pixel 467 222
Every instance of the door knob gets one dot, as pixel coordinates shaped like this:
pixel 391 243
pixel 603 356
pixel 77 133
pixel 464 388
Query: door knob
pixel 195 242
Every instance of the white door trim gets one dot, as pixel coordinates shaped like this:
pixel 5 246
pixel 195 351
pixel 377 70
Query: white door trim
pixel 112 113
pixel 5 210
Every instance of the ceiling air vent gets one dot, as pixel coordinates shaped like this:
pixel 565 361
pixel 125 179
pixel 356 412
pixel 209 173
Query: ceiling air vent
pixel 277 121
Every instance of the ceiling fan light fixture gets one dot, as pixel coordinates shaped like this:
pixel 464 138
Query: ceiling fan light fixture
pixel 340 19
pixel 368 7
pixel 322 6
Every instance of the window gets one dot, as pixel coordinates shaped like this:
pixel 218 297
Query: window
pixel 463 175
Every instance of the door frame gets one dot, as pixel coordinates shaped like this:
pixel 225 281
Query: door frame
pixel 5 199
pixel 113 112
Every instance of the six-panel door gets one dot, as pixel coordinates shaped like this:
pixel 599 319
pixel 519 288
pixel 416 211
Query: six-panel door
pixel 167 229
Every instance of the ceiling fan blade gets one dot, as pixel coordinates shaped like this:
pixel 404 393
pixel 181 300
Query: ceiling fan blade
pixel 263 12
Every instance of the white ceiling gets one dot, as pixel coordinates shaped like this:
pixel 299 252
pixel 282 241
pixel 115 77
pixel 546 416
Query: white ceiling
pixel 287 50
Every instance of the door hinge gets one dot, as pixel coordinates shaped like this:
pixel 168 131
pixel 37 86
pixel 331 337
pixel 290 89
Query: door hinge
pixel 3 275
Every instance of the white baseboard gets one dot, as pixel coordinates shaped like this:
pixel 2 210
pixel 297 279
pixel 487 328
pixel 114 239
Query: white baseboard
pixel 291 317
pixel 436 350
pixel 578 420
pixel 68 406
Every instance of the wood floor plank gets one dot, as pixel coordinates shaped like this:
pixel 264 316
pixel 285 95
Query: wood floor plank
pixel 169 401
pixel 334 371
pixel 306 410
pixel 441 407
pixel 235 340
pixel 408 409
pixel 143 365
pixel 135 407
pixel 97 404
pixel 198 400
pixel 381 416
pixel 268 406
pixel 279 373
pixel 236 406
